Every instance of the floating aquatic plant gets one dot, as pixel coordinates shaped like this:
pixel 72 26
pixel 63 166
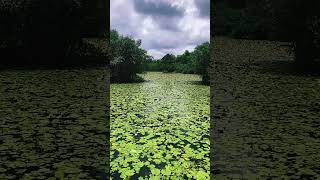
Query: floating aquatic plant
pixel 160 128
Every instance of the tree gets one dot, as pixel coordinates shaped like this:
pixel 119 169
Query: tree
pixel 52 29
pixel 168 62
pixel 295 21
pixel 43 31
pixel 299 21
pixel 127 58
pixel 202 56
pixel 195 62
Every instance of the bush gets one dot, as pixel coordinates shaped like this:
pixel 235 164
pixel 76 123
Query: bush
pixel 196 62
pixel 127 58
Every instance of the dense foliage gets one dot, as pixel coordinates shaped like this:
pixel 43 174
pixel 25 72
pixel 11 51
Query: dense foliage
pixel 38 32
pixel 127 58
pixel 285 20
pixel 243 19
pixel 195 62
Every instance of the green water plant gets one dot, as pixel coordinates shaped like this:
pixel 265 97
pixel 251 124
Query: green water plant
pixel 160 128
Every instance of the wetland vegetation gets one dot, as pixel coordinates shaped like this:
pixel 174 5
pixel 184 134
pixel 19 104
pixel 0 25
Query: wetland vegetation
pixel 54 87
pixel 265 89
pixel 159 58
pixel 159 120
pixel 160 128
pixel 54 124
pixel 195 62
pixel 265 115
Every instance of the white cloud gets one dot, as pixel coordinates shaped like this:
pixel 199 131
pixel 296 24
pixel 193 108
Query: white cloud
pixel 164 26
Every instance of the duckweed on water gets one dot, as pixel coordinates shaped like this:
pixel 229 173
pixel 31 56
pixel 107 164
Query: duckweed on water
pixel 160 128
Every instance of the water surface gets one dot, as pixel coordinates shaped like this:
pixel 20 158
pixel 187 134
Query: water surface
pixel 53 123
pixel 160 128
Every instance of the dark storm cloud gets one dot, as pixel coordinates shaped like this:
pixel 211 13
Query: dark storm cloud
pixel 161 45
pixel 164 26
pixel 163 13
pixel 167 23
pixel 159 8
pixel 203 7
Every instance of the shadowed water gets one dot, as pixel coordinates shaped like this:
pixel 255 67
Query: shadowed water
pixel 53 124
pixel 265 116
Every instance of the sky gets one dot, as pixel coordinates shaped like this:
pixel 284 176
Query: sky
pixel 164 26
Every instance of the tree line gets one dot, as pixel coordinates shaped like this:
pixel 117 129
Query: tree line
pixel 47 33
pixel 43 32
pixel 195 62
pixel 294 21
pixel 128 59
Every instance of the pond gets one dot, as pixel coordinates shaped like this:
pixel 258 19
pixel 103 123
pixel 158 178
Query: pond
pixel 53 123
pixel 160 128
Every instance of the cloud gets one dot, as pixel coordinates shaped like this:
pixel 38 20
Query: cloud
pixel 164 26
pixel 157 8
pixel 164 13
pixel 203 7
